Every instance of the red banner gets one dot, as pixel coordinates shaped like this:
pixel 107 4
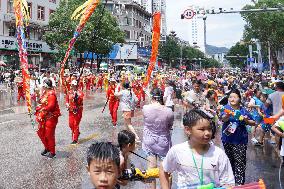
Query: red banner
pixel 155 46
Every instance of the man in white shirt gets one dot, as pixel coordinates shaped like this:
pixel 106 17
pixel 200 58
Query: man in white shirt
pixel 169 95
pixel 195 96
pixel 47 76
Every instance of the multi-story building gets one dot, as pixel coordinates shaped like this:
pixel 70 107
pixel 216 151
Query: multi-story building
pixel 133 19
pixel 38 50
pixel 160 5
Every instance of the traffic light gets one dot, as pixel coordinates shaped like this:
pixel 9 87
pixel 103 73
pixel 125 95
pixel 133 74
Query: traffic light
pixel 182 16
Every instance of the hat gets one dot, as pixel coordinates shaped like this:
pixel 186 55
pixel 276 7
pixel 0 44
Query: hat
pixel 112 80
pixel 74 82
pixel 267 91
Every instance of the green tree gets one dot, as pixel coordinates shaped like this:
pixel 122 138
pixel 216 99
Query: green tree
pixel 170 51
pixel 268 27
pixel 99 35
pixel 238 49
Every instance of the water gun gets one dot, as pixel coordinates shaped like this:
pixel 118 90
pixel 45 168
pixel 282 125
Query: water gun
pixel 135 174
pixel 267 120
pixel 236 114
pixel 254 185
pixel 281 125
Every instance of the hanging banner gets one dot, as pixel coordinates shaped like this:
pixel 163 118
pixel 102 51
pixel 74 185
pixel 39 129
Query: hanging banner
pixel 155 46
pixel 22 17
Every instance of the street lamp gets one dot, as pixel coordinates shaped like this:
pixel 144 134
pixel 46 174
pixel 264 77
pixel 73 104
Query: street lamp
pixel 121 45
pixel 205 39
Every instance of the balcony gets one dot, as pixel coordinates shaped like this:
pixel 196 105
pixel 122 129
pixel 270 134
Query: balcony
pixel 9 17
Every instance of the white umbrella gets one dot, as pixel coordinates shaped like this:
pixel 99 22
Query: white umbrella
pixel 2 63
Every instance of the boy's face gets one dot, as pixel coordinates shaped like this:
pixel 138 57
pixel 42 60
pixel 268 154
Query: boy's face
pixel 200 133
pixel 103 174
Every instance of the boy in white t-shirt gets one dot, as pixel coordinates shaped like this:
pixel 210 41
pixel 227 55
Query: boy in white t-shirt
pixel 277 128
pixel 197 161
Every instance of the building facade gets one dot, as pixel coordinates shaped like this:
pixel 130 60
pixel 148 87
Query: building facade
pixel 133 19
pixel 160 5
pixel 38 50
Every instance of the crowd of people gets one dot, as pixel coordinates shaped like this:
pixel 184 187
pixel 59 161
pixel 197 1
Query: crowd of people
pixel 215 103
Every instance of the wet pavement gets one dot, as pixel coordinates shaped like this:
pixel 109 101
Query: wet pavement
pixel 22 166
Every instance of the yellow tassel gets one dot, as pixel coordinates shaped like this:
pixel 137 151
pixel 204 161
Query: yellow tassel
pixel 81 10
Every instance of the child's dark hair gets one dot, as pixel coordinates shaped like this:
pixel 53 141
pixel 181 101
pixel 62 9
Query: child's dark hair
pixel 191 118
pixel 125 137
pixel 103 151
pixel 157 95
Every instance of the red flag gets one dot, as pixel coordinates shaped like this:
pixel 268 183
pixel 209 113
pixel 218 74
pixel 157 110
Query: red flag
pixel 155 46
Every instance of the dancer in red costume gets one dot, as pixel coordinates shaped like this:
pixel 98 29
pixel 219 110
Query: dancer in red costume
pixel 47 113
pixel 113 101
pixel 74 103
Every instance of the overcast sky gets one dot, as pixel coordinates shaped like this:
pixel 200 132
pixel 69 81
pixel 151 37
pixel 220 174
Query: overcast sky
pixel 222 30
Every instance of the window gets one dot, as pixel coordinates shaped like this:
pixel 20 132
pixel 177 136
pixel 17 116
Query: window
pixel 40 35
pixel 51 11
pixel 10 8
pixel 30 9
pixel 40 13
pixel 52 1
pixel 12 31
pixel 127 33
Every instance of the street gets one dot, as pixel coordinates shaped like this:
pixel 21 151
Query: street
pixel 22 165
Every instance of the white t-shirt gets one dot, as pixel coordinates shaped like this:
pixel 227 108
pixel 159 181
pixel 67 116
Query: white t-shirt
pixel 169 96
pixel 216 166
pixel 277 125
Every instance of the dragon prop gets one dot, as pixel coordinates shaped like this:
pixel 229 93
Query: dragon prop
pixel 155 46
pixel 22 18
pixel 85 11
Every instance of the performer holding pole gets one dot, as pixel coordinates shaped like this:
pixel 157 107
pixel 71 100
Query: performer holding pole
pixel 47 113
pixel 113 101
pixel 74 103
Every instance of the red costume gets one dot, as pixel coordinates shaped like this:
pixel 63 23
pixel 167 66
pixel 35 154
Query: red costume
pixel 137 85
pixel 66 84
pixel 93 81
pixel 100 82
pixel 21 93
pixel 81 84
pixel 88 82
pixel 113 103
pixel 47 113
pixel 74 99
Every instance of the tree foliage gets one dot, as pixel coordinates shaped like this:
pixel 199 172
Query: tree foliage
pixel 238 49
pixel 171 50
pixel 268 27
pixel 99 35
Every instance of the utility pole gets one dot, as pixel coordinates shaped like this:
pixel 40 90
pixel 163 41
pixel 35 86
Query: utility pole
pixel 180 61
pixel 269 59
pixel 205 38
